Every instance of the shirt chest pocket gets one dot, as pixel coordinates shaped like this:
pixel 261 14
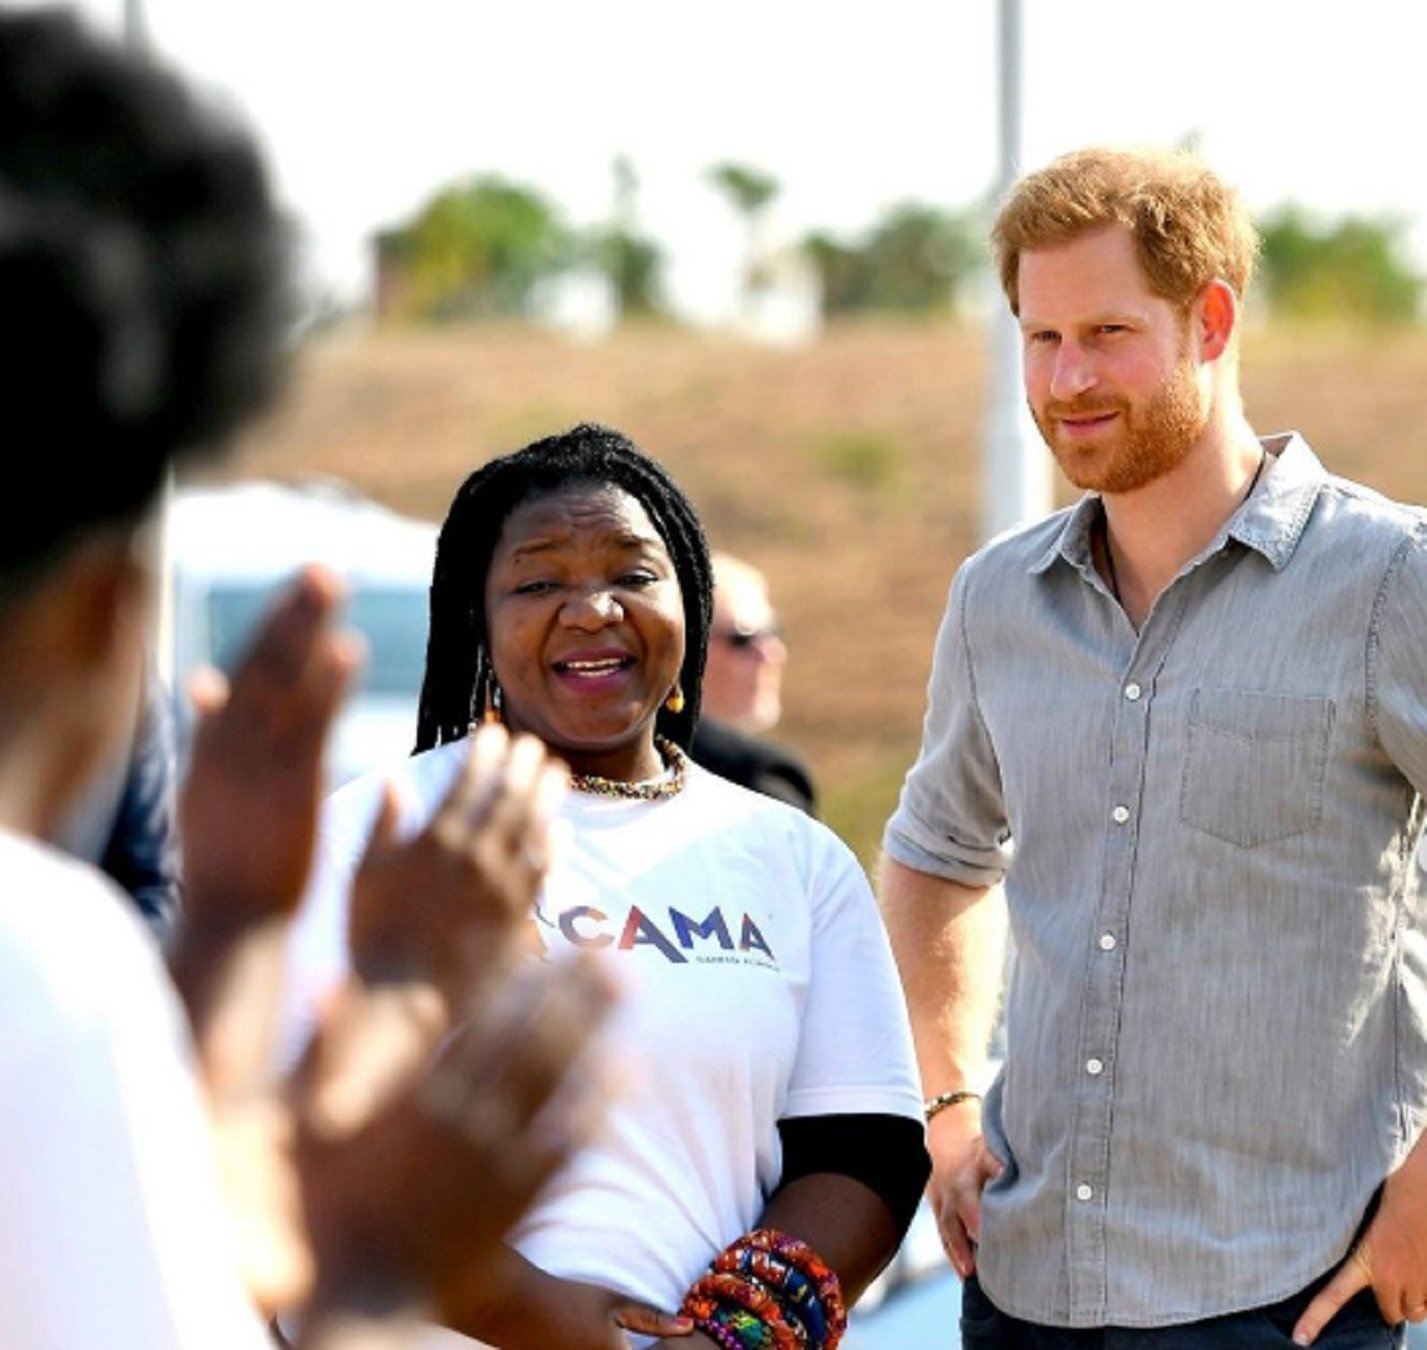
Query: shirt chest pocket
pixel 1255 764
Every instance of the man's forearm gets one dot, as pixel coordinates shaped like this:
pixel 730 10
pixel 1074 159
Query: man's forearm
pixel 949 941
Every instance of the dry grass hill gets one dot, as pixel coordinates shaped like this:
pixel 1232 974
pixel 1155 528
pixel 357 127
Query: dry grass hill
pixel 847 468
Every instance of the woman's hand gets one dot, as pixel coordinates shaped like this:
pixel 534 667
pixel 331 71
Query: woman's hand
pixel 445 905
pixel 514 1305
pixel 590 1317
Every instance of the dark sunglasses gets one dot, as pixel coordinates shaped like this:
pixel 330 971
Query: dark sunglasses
pixel 746 637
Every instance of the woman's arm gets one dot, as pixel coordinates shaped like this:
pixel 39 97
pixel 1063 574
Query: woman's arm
pixel 844 1221
pixel 851 1178
pixel 510 1303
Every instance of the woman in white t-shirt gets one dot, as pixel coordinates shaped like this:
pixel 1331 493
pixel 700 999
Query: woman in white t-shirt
pixel 767 1121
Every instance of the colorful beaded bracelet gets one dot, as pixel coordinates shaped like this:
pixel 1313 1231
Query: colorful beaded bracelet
pixel 803 1258
pixel 716 1331
pixel 793 1289
pixel 749 1330
pixel 718 1289
pixel 769 1289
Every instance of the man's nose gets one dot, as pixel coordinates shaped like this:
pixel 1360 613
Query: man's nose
pixel 1072 374
pixel 771 648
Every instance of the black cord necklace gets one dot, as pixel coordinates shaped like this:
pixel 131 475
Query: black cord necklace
pixel 1112 577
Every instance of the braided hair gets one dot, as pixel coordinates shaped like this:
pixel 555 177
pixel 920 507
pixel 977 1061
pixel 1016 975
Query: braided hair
pixel 459 675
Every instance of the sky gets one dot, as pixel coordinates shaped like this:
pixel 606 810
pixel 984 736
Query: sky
pixel 366 107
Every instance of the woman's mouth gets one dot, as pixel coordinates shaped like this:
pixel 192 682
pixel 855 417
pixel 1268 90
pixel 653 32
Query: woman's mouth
pixel 594 673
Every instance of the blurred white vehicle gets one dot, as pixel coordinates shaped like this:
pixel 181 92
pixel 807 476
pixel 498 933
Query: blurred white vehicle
pixel 230 549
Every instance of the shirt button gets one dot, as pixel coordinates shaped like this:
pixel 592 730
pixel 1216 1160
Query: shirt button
pixel 1133 691
pixel 1120 815
pixel 1084 1192
pixel 1094 1067
pixel 1107 942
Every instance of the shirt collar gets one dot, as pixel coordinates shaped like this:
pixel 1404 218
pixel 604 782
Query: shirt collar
pixel 1270 521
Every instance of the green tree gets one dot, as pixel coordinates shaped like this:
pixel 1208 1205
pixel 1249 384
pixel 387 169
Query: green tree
pixel 920 256
pixel 1352 268
pixel 635 266
pixel 914 260
pixel 633 262
pixel 751 192
pixel 477 250
pixel 843 275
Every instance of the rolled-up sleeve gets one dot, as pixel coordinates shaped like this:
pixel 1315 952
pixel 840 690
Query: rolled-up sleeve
pixel 951 819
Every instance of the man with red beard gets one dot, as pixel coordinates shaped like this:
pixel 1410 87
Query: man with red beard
pixel 1185 723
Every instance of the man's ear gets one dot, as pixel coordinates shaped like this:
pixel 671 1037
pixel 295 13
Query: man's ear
pixel 1216 318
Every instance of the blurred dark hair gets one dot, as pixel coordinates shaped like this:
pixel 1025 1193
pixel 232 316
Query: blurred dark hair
pixel 143 271
pixel 458 665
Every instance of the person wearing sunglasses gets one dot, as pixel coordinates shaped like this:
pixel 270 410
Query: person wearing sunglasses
pixel 743 690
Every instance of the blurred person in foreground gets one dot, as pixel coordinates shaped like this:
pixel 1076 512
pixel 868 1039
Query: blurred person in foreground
pixel 1196 704
pixel 142 266
pixel 126 821
pixel 763 1154
pixel 743 690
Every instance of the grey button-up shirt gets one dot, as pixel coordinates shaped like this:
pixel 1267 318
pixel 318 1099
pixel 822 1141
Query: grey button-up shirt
pixel 1217 1017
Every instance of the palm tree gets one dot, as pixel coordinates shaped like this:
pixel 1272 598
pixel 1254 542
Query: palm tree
pixel 751 192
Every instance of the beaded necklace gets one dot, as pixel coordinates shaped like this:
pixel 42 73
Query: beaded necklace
pixel 669 784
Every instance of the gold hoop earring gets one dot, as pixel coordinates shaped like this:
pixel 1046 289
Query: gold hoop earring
pixel 675 701
pixel 492 715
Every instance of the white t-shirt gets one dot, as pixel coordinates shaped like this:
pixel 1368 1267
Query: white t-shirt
pixel 758 985
pixel 112 1229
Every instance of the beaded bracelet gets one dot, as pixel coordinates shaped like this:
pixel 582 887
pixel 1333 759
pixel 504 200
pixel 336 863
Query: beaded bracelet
pixel 794 1298
pixel 749 1330
pixel 805 1259
pixel 794 1289
pixel 717 1290
pixel 716 1331
pixel 934 1106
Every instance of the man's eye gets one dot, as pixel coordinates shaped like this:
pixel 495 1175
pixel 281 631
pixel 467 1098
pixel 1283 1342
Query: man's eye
pixel 1041 337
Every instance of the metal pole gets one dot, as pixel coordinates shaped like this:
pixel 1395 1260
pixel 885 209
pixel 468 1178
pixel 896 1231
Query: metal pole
pixel 1015 469
pixel 135 34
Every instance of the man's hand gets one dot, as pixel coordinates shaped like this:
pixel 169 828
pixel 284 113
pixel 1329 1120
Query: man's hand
pixel 1390 1257
pixel 448 903
pixel 949 941
pixel 961 1167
